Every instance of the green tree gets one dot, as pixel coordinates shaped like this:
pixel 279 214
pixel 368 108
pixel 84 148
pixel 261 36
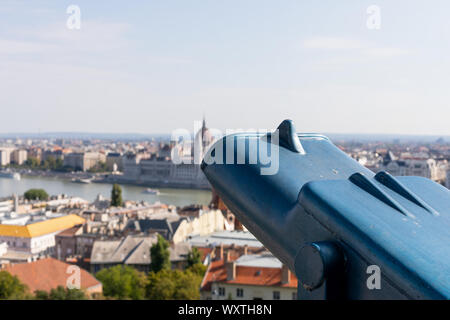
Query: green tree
pixel 59 165
pixel 188 285
pixel 36 194
pixel 173 285
pixel 198 269
pixel 99 167
pixel 160 255
pixel 50 163
pixel 194 257
pixel 161 285
pixel 61 293
pixel 123 282
pixel 32 162
pixel 41 295
pixel 116 196
pixel 11 287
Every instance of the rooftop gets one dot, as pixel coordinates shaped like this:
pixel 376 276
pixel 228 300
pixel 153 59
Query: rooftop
pixel 130 250
pixel 17 256
pixel 266 260
pixel 238 238
pixel 47 274
pixel 248 273
pixel 133 250
pixel 40 228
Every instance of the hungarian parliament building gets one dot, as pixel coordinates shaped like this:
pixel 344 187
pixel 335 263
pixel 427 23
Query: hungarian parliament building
pixel 160 170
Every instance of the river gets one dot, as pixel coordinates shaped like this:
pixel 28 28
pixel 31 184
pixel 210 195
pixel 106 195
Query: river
pixel 53 186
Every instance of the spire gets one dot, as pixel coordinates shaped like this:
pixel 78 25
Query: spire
pixel 203 127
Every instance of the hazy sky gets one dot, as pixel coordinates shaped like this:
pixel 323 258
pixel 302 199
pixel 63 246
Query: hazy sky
pixel 154 66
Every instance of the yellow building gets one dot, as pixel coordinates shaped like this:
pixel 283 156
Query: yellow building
pixel 39 237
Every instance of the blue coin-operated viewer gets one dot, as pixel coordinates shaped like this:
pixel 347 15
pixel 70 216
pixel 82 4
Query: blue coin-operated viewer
pixel 346 232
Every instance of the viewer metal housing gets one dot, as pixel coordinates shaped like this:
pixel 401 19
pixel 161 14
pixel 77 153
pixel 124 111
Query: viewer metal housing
pixel 334 222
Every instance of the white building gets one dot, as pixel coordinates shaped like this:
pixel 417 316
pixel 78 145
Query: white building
pixel 5 156
pixel 441 171
pixel 3 248
pixel 447 183
pixel 19 156
pixel 226 238
pixel 83 161
pixel 6 207
pixel 250 277
pixel 427 168
pixel 36 237
pixel 177 228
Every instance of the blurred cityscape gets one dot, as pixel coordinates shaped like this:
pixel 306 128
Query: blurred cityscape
pixel 197 250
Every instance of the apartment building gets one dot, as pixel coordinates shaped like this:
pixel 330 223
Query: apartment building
pixel 114 160
pixel 250 277
pixel 134 251
pixel 176 228
pixel 447 183
pixel 83 161
pixel 5 156
pixel 427 168
pixel 36 238
pixel 3 248
pixel 19 156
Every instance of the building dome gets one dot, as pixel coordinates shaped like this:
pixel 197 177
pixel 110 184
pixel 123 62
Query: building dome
pixel 203 139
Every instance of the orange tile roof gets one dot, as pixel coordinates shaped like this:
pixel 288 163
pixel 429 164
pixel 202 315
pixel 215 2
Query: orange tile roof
pixel 245 275
pixel 40 228
pixel 47 274
pixel 204 251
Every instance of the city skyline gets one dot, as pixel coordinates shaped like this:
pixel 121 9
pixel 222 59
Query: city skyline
pixel 224 151
pixel 152 68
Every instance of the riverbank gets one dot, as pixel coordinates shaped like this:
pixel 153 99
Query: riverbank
pixel 106 178
pixel 111 179
pixel 57 184
pixel 55 174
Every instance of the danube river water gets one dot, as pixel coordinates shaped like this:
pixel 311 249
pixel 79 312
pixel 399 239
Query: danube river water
pixel 53 186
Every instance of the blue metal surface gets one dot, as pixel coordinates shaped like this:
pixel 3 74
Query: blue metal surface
pixel 321 198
